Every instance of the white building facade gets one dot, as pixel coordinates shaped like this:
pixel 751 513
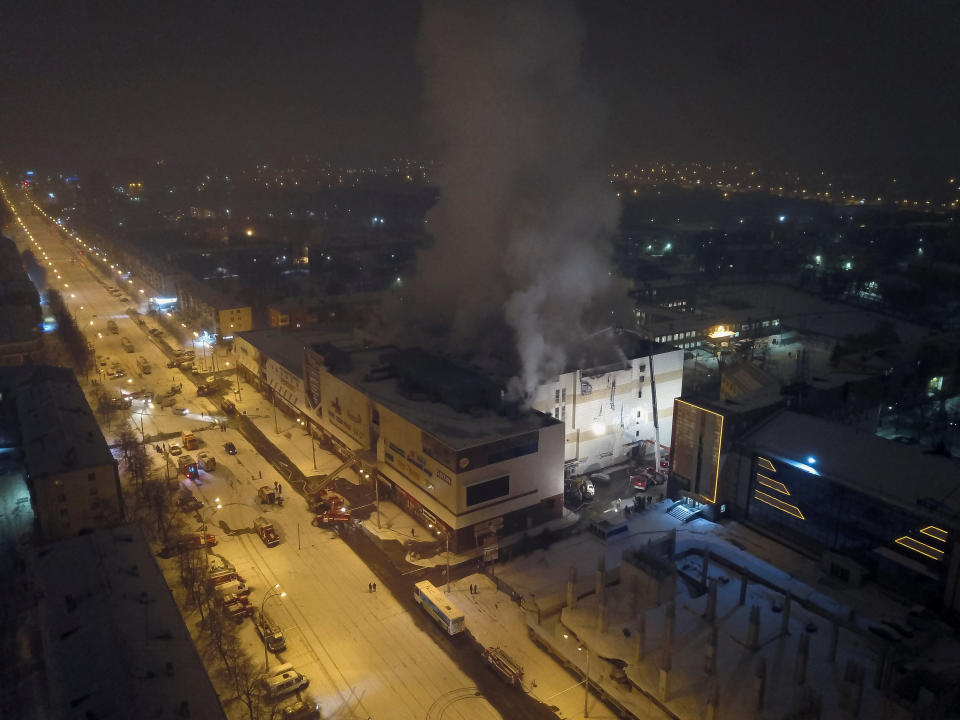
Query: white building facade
pixel 607 411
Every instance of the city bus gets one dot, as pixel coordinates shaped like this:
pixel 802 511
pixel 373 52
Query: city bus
pixel 433 600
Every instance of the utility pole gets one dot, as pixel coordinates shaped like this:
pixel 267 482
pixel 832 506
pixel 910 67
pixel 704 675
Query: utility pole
pixel 239 393
pixel 586 685
pixel 273 395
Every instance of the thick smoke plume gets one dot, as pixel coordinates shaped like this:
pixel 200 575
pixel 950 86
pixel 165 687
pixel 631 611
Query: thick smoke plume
pixel 526 211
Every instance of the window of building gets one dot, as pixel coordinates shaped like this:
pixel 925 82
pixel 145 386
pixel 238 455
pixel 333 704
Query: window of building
pixel 563 395
pixel 63 512
pixel 556 411
pixel 556 395
pixel 563 412
pixel 92 477
pixel 61 498
pixel 93 490
pixel 489 490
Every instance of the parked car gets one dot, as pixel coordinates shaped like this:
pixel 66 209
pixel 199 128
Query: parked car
pixel 302 710
pixel 175 449
pixel 188 502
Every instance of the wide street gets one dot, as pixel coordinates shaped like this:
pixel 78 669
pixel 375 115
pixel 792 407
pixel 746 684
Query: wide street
pixel 363 652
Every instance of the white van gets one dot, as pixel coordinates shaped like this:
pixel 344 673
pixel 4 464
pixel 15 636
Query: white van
pixel 284 680
pixel 231 587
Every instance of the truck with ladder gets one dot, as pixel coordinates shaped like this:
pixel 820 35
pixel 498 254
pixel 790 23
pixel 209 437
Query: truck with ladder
pixel 266 532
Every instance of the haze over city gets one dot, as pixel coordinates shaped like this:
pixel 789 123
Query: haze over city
pixel 524 359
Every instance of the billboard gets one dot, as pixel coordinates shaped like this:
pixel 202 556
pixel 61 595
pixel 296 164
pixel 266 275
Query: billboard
pixel 313 369
pixel 695 451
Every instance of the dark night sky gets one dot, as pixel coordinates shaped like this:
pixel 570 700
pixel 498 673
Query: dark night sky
pixel 855 85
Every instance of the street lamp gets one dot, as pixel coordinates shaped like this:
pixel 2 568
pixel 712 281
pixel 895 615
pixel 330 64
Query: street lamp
pixel 446 536
pixel 270 593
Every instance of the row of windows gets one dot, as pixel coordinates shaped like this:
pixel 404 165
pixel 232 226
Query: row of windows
pixel 677 336
pixel 514 452
pixel 62 497
pixel 488 490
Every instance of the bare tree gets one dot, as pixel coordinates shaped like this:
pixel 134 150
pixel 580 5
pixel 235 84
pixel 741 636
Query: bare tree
pixel 135 458
pixel 195 576
pixel 223 634
pixel 153 505
pixel 104 406
pixel 247 681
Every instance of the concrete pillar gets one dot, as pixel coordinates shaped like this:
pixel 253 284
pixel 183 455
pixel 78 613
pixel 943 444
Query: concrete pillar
pixel 713 705
pixel 711 613
pixel 634 595
pixel 600 579
pixel 743 590
pixel 785 616
pixel 668 622
pixel 602 615
pixel 887 668
pixel 884 664
pixel 834 641
pixel 640 638
pixel 759 685
pixel 664 684
pixel 572 588
pixel 753 628
pixel 857 698
pixel 851 694
pixel 705 567
pixel 803 652
pixel 710 661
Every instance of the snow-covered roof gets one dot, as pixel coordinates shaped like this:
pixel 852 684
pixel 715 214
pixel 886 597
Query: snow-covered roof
pixel 900 474
pixel 734 303
pixel 114 642
pixel 458 430
pixel 58 429
pixel 283 346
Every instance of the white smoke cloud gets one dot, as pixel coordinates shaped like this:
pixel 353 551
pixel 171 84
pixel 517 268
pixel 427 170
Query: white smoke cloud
pixel 526 211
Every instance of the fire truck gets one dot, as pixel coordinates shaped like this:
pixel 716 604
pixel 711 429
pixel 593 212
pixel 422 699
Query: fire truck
pixel 266 532
pixel 268 496
pixel 333 511
pixel 207 462
pixel 188 467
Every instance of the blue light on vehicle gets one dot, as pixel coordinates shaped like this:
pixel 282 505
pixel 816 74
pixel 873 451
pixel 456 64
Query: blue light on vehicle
pixel 811 460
